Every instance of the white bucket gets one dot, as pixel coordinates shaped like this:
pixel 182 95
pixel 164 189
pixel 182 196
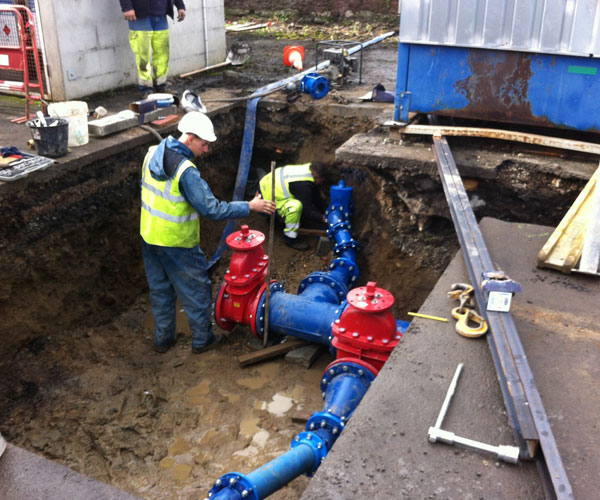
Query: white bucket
pixel 76 113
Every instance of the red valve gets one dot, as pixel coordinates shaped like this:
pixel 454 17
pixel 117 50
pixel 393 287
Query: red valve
pixel 243 280
pixel 367 328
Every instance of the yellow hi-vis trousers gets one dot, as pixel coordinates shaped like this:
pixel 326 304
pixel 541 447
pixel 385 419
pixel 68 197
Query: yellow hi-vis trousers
pixel 151 50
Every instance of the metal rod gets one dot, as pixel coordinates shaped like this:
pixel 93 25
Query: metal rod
pixel 449 394
pixel 268 278
pixel 522 399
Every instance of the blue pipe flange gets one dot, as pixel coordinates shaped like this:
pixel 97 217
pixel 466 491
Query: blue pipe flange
pixel 325 279
pixel 316 443
pixel 344 212
pixel 237 482
pixel 334 228
pixel 260 310
pixel 326 421
pixel 347 245
pixel 314 84
pixel 346 264
pixel 345 367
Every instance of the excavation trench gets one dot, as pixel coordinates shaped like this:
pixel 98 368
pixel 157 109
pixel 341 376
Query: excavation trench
pixel 80 383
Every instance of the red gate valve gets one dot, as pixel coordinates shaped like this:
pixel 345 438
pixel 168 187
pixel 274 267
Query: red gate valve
pixel 243 279
pixel 367 328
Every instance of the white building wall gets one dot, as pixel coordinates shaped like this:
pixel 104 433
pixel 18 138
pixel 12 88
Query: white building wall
pixel 88 49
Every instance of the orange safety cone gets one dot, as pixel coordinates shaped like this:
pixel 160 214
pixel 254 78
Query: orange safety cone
pixel 293 55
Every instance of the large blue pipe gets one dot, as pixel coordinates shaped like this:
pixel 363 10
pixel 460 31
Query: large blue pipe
pixel 321 296
pixel 344 384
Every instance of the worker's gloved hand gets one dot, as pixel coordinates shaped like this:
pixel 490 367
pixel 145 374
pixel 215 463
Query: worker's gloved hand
pixel 257 204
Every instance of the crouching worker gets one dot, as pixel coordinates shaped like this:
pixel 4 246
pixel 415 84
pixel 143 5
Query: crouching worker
pixel 174 196
pixel 297 198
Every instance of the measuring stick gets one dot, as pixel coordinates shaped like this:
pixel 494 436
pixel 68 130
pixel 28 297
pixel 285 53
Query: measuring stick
pixel 426 316
pixel 271 236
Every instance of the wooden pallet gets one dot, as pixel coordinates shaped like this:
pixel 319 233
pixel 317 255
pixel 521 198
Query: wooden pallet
pixel 563 249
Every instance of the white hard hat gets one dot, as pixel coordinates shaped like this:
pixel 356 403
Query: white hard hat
pixel 198 124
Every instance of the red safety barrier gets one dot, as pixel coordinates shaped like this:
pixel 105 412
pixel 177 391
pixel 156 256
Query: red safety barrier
pixel 17 42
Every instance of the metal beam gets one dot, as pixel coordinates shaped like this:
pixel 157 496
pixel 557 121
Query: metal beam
pixel 525 409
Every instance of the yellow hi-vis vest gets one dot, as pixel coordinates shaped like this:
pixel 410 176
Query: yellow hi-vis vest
pixel 167 219
pixel 283 177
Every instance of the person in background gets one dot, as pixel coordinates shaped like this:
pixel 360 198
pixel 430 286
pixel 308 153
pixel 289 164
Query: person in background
pixel 174 196
pixel 297 198
pixel 149 39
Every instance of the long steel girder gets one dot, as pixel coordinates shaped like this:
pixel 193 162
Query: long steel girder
pixel 525 409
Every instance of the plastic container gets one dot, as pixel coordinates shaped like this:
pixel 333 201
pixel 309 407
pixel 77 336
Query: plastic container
pixel 50 140
pixel 76 113
pixel 162 100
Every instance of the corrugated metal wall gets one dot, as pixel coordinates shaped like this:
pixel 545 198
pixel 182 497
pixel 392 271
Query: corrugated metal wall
pixel 570 27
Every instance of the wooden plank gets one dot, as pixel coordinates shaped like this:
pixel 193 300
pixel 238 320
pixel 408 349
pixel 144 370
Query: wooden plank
pixel 590 255
pixel 492 133
pixel 306 355
pixel 271 352
pixel 315 232
pixel 564 247
pixel 208 68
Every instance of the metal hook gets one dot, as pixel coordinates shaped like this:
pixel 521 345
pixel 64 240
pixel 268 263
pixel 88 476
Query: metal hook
pixel 466 317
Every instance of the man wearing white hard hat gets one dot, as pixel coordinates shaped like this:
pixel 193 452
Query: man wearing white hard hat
pixel 174 196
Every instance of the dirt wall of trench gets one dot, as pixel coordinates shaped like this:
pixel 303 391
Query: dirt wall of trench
pixel 70 250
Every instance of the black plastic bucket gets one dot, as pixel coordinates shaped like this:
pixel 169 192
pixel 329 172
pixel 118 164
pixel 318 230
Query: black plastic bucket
pixel 51 140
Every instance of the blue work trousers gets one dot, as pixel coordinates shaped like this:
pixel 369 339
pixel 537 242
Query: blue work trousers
pixel 178 273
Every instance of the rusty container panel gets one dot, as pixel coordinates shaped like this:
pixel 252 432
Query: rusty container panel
pixel 568 27
pixel 502 86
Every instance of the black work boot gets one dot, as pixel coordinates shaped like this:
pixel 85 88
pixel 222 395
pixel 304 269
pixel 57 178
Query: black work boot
pixel 295 243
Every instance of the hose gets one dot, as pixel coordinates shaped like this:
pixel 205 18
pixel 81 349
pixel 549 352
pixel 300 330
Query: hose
pixel 152 131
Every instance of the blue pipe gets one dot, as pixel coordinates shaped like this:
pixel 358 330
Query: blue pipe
pixel 321 295
pixel 302 317
pixel 248 140
pixel 344 384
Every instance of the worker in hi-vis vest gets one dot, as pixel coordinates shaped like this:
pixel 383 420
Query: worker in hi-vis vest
pixel 297 197
pixel 149 39
pixel 174 196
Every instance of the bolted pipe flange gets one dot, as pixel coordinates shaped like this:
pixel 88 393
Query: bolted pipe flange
pixel 318 446
pixel 325 421
pixel 240 483
pixel 223 322
pixel 347 245
pixel 339 226
pixel 343 366
pixel 345 263
pixel 321 278
pixel 259 323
